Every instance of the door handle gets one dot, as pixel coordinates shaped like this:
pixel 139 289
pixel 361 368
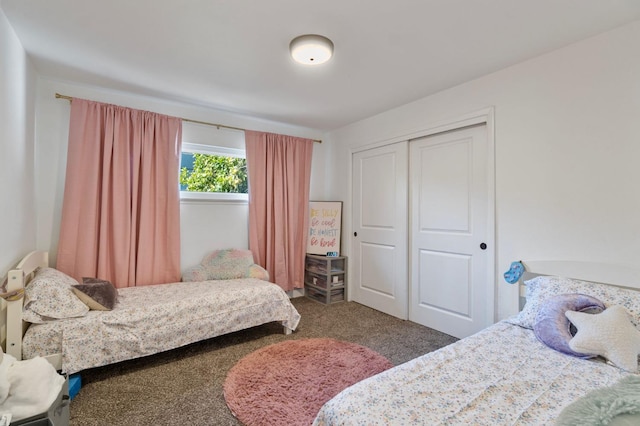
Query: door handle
pixel 355 234
pixel 483 246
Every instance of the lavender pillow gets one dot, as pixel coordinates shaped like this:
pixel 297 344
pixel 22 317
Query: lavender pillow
pixel 541 288
pixel 553 328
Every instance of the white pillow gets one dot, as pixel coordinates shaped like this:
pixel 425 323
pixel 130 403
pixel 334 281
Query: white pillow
pixel 541 288
pixel 49 296
pixel 608 334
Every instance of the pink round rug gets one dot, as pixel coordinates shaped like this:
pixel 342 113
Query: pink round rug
pixel 287 383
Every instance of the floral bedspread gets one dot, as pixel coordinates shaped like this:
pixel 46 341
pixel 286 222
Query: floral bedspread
pixel 151 319
pixel 500 376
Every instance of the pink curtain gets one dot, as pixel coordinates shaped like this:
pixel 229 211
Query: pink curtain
pixel 279 172
pixel 121 208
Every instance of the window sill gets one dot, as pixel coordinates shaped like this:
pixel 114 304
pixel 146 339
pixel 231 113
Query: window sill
pixel 217 197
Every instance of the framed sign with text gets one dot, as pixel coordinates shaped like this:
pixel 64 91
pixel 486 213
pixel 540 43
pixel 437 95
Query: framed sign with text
pixel 325 221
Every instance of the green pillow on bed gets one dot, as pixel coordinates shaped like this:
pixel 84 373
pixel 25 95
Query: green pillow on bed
pixel 618 405
pixel 98 295
pixel 226 264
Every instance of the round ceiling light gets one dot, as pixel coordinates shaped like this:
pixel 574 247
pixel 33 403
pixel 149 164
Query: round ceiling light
pixel 311 49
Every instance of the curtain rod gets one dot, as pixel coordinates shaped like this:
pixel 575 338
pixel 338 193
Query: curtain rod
pixel 206 123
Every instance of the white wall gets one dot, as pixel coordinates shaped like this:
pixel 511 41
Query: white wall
pixel 17 134
pixel 567 133
pixel 17 191
pixel 205 226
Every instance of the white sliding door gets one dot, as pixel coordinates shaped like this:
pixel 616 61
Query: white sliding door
pixel 451 231
pixel 380 232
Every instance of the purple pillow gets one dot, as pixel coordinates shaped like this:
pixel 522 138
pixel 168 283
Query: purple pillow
pixel 554 329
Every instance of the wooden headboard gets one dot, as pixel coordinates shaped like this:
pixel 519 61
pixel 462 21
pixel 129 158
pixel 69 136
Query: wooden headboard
pixel 605 273
pixel 17 279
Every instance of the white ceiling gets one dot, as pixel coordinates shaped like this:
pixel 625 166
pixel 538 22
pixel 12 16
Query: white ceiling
pixel 233 54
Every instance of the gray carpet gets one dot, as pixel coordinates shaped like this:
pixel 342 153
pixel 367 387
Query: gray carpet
pixel 184 386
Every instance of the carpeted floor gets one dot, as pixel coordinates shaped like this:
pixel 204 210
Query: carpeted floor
pixel 184 386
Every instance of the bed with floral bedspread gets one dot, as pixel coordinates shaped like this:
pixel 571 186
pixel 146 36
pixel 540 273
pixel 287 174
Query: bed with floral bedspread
pixel 151 319
pixel 505 374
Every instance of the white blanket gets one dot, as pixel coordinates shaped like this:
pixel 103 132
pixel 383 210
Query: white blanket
pixel 27 387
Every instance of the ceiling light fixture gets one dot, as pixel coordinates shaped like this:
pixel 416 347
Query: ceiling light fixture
pixel 311 49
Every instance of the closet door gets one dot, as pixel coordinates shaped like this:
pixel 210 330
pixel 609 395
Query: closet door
pixel 450 229
pixel 378 261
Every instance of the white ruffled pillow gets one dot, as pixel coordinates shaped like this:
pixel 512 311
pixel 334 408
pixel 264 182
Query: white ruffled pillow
pixel 541 288
pixel 49 297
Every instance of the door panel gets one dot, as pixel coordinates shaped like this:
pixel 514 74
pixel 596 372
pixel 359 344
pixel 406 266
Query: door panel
pixel 379 250
pixel 450 291
pixel 445 181
pixel 377 268
pixel 437 267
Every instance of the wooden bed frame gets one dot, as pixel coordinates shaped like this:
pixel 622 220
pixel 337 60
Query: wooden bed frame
pixel 17 279
pixel 604 273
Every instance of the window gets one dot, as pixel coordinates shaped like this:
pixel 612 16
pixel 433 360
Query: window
pixel 213 173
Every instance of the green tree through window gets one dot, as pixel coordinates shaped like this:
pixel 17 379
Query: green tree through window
pixel 213 173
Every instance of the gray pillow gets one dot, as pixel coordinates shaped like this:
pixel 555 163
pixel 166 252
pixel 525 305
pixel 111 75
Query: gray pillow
pixel 553 328
pixel 99 295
